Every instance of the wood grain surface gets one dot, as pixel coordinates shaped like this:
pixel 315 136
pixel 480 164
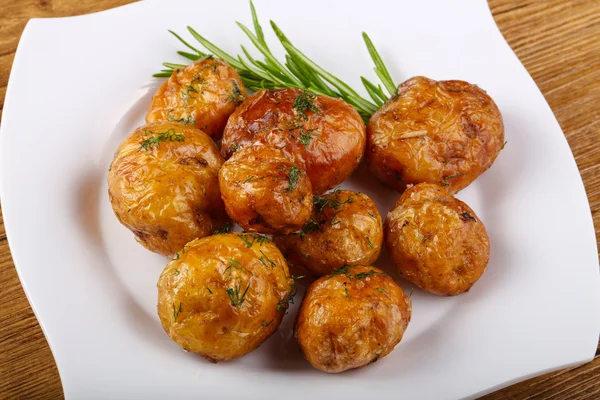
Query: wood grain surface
pixel 557 41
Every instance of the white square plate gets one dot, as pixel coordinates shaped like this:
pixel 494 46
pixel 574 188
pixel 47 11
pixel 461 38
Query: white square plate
pixel 80 85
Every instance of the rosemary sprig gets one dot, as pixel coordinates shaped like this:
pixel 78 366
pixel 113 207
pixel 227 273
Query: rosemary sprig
pixel 298 70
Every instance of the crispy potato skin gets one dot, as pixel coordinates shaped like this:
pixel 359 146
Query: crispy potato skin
pixel 436 241
pixel 345 228
pixel 195 308
pixel 264 191
pixel 333 150
pixel 446 132
pixel 168 193
pixel 202 95
pixel 349 320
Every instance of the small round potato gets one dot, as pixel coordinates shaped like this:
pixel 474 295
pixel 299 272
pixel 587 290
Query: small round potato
pixel 163 185
pixel 436 241
pixel 324 136
pixel 345 228
pixel 351 318
pixel 446 132
pixel 224 295
pixel 264 191
pixel 201 95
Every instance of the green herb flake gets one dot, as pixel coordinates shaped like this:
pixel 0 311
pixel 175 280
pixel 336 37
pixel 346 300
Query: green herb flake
pixel 346 292
pixel 234 264
pixel 305 137
pixel 369 241
pixel 176 272
pixel 373 215
pixel 176 311
pixel 236 96
pixel 377 357
pixel 209 291
pixel 304 102
pixel 168 135
pixel 248 179
pixel 340 270
pixel 453 176
pixel 504 144
pixel 265 324
pixel 245 239
pixel 293 175
pixel 444 183
pixel 225 228
pixel 382 290
pixel 362 275
pixel 267 262
pixel 235 297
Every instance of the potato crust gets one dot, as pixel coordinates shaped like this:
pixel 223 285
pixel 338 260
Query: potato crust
pixel 163 186
pixel 264 191
pixel 201 95
pixel 436 241
pixel 351 318
pixel 345 228
pixel 324 136
pixel 222 296
pixel 446 132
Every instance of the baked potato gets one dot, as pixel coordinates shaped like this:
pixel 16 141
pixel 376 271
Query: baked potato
pixel 163 185
pixel 351 318
pixel 446 132
pixel 345 228
pixel 264 191
pixel 324 136
pixel 224 295
pixel 436 241
pixel 201 95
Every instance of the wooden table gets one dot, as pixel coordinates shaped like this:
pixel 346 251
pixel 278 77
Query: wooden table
pixel 559 43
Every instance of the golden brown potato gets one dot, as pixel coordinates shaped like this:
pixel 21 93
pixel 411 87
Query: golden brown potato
pixel 224 295
pixel 264 191
pixel 446 132
pixel 163 185
pixel 201 95
pixel 322 135
pixel 436 241
pixel 345 228
pixel 351 318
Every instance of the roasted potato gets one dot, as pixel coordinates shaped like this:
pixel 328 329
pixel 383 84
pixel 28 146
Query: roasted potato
pixel 163 185
pixel 224 295
pixel 201 95
pixel 436 241
pixel 322 135
pixel 351 318
pixel 264 191
pixel 345 228
pixel 446 132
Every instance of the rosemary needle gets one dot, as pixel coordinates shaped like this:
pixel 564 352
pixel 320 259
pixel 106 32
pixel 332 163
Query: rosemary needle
pixel 297 71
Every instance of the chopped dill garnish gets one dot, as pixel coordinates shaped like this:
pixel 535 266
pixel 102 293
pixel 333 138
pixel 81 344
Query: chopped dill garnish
pixel 362 275
pixel 225 228
pixel 176 272
pixel 248 179
pixel 267 262
pixel 293 175
pixel 168 135
pixel 382 290
pixel 453 176
pixel 340 270
pixel 233 263
pixel 369 241
pixel 346 290
pixel 377 357
pixel 236 96
pixel 209 291
pixel 176 311
pixel 235 297
pixel 265 324
pixel 244 238
pixel 305 101
pixel 373 215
